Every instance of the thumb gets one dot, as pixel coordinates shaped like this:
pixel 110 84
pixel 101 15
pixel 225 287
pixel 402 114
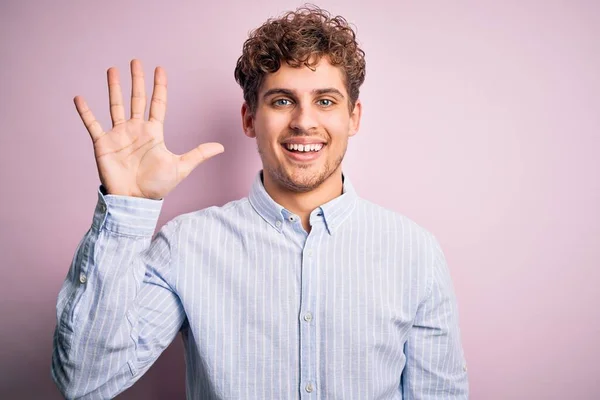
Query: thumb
pixel 190 160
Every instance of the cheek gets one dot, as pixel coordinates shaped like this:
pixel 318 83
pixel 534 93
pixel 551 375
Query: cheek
pixel 267 135
pixel 272 124
pixel 338 127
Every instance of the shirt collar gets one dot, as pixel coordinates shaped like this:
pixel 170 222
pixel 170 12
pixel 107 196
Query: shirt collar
pixel 334 212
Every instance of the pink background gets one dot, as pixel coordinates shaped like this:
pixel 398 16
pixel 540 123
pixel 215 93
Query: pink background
pixel 481 122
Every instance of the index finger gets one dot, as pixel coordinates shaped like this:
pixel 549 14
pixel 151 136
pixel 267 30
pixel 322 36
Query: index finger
pixel 158 104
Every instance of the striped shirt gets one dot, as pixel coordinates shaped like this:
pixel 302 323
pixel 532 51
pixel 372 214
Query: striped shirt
pixel 362 307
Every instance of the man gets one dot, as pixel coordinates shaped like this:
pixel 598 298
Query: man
pixel 301 290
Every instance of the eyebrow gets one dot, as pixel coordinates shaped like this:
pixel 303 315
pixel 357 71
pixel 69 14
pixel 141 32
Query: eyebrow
pixel 289 93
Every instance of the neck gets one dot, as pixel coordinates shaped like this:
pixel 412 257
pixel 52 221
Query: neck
pixel 303 203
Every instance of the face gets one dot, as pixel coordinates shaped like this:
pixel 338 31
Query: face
pixel 302 124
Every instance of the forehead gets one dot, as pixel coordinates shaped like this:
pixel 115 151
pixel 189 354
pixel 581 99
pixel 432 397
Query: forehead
pixel 304 79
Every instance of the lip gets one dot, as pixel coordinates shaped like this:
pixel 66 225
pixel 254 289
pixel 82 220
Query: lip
pixel 305 156
pixel 304 140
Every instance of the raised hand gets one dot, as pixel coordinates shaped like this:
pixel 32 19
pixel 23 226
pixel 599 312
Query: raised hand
pixel 132 158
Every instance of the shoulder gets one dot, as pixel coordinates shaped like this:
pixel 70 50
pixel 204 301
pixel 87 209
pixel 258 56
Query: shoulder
pixel 390 220
pixel 417 248
pixel 406 233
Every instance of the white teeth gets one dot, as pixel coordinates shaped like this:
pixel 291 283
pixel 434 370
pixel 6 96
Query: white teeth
pixel 305 147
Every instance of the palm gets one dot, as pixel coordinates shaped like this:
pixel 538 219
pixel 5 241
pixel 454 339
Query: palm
pixel 135 150
pixel 132 158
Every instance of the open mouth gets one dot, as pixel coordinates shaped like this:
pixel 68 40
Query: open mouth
pixel 303 148
pixel 303 152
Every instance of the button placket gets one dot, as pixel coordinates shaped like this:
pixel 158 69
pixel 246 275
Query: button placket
pixel 308 326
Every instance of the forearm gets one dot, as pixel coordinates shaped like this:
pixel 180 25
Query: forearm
pixel 95 342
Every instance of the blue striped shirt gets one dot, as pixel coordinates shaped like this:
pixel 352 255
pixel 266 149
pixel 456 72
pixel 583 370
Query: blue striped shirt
pixel 362 307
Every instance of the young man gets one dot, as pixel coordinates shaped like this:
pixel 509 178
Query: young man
pixel 301 290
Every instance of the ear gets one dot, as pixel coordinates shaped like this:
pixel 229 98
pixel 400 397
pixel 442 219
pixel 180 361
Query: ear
pixel 247 121
pixel 355 118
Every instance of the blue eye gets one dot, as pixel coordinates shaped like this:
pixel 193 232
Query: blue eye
pixel 282 102
pixel 326 102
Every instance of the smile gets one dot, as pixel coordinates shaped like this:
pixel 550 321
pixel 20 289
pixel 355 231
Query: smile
pixel 303 152
pixel 304 147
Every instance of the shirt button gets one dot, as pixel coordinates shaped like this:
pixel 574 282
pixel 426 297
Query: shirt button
pixel 465 368
pixel 102 207
pixel 82 278
pixel 308 317
pixel 278 224
pixel 309 253
pixel 309 388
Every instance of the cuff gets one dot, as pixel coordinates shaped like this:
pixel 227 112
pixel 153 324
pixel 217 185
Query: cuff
pixel 126 215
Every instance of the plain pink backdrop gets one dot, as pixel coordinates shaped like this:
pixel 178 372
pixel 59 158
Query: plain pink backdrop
pixel 481 122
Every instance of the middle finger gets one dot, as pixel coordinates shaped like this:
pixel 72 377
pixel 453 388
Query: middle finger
pixel 138 90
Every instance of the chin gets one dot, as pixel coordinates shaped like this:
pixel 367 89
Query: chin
pixel 301 179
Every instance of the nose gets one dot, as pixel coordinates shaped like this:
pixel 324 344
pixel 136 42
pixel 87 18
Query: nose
pixel 303 119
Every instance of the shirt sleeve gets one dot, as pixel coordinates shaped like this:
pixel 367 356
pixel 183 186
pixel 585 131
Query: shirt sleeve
pixel 435 364
pixel 116 311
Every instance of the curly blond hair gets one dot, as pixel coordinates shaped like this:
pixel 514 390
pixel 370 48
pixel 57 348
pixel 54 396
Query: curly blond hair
pixel 297 37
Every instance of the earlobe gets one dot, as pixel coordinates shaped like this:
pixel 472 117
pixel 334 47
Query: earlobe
pixel 247 121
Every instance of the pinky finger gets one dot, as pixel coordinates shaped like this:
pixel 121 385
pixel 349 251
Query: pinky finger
pixel 90 122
